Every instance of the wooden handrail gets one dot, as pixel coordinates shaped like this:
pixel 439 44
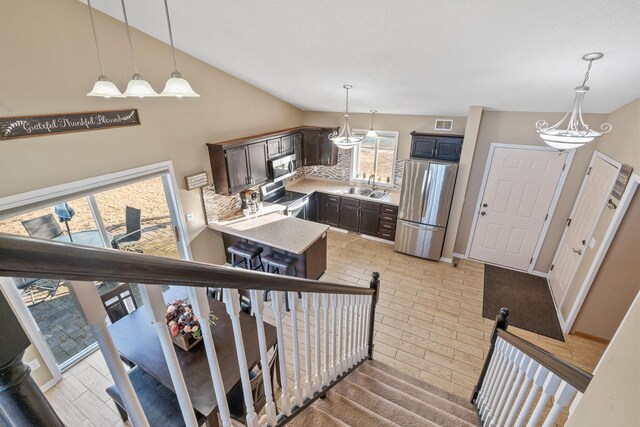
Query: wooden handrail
pixel 573 375
pixel 29 257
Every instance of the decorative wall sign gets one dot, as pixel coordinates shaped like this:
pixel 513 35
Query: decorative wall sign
pixel 28 126
pixel 197 180
pixel 621 181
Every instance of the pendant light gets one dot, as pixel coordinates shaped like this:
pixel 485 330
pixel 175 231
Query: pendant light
pixel 372 133
pixel 345 139
pixel 577 132
pixel 137 87
pixel 103 87
pixel 176 85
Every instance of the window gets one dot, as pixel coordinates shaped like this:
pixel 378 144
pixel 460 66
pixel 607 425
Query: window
pixel 375 156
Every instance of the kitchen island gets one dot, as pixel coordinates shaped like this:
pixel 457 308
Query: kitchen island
pixel 295 237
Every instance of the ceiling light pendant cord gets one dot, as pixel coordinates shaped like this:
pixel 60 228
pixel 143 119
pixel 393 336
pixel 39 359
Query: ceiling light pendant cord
pixel 95 37
pixel 126 22
pixel 173 49
pixel 586 75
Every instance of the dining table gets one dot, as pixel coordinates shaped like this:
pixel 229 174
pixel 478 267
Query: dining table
pixel 136 339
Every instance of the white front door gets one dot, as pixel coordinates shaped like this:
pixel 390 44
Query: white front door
pixel 595 190
pixel 518 191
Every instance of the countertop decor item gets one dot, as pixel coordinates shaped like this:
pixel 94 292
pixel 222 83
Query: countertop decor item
pixel 577 132
pixel 103 87
pixel 345 139
pixel 176 86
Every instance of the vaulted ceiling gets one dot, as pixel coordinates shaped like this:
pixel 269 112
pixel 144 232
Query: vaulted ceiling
pixel 410 56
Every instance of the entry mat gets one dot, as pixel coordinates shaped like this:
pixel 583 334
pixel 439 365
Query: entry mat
pixel 527 297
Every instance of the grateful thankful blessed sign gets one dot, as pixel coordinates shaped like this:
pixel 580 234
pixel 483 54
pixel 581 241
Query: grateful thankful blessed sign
pixel 22 127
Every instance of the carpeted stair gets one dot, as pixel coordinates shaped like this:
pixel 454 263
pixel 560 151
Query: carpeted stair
pixel 376 394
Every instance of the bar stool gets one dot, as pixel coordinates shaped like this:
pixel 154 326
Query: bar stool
pixel 248 253
pixel 277 262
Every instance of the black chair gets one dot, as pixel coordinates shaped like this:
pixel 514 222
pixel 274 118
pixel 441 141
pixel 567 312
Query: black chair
pixel 160 404
pixel 277 262
pixel 247 255
pixel 133 232
pixel 115 301
pixel 43 227
pixel 29 285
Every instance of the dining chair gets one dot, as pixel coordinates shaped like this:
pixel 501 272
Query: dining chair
pixel 43 227
pixel 115 301
pixel 30 285
pixel 133 229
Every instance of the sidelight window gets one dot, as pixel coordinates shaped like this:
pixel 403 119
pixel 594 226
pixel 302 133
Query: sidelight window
pixel 375 156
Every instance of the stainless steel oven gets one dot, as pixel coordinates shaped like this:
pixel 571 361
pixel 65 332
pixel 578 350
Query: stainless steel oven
pixel 298 209
pixel 282 167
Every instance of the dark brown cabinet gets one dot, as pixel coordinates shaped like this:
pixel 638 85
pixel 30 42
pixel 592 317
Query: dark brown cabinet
pixel 297 147
pixel 317 148
pixel 238 167
pixel 350 214
pixel 273 147
pixel 333 210
pixel 369 218
pixel 321 208
pixel 433 146
pixel 277 147
pixel 257 156
pixel 286 145
pixel 329 150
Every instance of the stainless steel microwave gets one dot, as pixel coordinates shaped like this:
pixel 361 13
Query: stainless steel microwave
pixel 282 167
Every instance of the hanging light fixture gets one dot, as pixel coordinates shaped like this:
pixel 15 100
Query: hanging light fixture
pixel 137 87
pixel 577 132
pixel 103 87
pixel 345 139
pixel 176 85
pixel 372 133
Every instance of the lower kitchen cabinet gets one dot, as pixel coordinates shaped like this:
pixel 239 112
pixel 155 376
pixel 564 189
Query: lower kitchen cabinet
pixel 369 222
pixel 321 207
pixel 333 211
pixel 350 214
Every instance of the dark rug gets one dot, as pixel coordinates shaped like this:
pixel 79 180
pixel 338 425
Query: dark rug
pixel 527 297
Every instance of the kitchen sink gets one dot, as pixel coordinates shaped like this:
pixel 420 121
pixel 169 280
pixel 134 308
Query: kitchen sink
pixel 366 193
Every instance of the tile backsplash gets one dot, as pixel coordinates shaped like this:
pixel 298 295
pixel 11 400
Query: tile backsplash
pixel 341 171
pixel 217 206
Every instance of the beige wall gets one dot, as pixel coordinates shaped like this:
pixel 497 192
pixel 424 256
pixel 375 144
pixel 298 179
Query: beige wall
pixel 405 124
pixel 623 145
pixel 49 64
pixel 519 128
pixel 614 393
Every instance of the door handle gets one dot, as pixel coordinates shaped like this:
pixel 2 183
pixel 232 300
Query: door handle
pixel 483 213
pixel 577 251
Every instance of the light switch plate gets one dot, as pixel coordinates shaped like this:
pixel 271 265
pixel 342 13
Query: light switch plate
pixel 592 243
pixel 189 216
pixel 34 364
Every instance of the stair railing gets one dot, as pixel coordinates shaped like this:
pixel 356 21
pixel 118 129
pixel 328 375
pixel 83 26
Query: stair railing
pixel 519 380
pixel 346 314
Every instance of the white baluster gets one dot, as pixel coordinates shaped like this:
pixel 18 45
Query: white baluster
pixel 530 373
pixel 484 387
pixel 200 304
pixel 339 359
pixel 497 379
pixel 357 334
pixel 317 378
pixel 363 326
pixel 307 346
pixel 548 389
pixel 367 320
pixel 333 368
pixel 285 400
pixel 500 385
pixel 86 298
pixel 232 302
pixel 257 306
pixel 350 322
pixel 538 380
pixel 563 398
pixel 297 388
pixel 522 368
pixel 508 390
pixel 499 357
pixel 325 368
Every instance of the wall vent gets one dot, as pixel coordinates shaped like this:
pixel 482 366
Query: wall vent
pixel 444 124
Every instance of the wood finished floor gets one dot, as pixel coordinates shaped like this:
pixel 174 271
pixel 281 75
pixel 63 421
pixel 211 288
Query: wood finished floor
pixel 428 324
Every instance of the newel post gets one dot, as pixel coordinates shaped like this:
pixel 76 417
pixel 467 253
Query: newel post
pixel 375 285
pixel 501 323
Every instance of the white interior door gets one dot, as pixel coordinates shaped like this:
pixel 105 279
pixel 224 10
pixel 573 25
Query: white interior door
pixel 517 196
pixel 591 201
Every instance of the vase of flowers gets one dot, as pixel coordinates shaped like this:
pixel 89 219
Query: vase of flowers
pixel 184 325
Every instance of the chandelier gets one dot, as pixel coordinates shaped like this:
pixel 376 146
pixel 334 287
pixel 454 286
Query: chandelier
pixel 576 132
pixel 372 133
pixel 346 139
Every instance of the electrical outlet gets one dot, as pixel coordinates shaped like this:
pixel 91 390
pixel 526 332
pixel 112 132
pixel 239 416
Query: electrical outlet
pixel 34 364
pixel 189 216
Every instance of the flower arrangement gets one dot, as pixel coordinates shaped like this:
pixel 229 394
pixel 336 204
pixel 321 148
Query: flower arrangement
pixel 181 319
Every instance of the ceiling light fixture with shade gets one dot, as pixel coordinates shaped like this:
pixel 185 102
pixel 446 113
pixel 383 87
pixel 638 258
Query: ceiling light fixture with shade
pixel 345 139
pixel 138 87
pixel 104 87
pixel 372 133
pixel 176 85
pixel 577 132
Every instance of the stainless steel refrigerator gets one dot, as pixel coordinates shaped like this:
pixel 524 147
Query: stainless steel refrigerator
pixel 425 201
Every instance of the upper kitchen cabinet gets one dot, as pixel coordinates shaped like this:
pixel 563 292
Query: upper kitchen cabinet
pixel 317 148
pixel 277 147
pixel 435 146
pixel 236 168
pixel 296 140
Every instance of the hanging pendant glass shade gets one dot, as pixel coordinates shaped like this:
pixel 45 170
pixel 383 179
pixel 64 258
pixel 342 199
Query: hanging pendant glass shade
pixel 137 87
pixel 177 86
pixel 572 133
pixel 103 87
pixel 345 139
pixel 372 133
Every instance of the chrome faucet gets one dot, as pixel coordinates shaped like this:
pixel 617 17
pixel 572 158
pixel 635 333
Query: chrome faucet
pixel 373 184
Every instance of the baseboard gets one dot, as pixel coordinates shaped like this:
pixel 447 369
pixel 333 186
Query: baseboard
pixel 461 256
pixel 46 386
pixel 447 260
pixel 377 239
pixel 539 274
pixel 591 337
pixel 339 230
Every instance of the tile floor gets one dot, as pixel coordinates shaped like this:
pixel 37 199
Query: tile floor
pixel 428 323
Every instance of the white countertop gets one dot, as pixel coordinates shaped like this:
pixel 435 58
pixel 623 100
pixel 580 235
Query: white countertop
pixel 333 186
pixel 275 230
pixel 238 216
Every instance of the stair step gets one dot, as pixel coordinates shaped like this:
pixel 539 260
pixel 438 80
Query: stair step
pixel 350 412
pixel 315 417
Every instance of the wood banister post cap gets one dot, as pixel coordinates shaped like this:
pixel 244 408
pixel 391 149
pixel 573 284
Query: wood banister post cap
pixel 375 276
pixel 504 312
